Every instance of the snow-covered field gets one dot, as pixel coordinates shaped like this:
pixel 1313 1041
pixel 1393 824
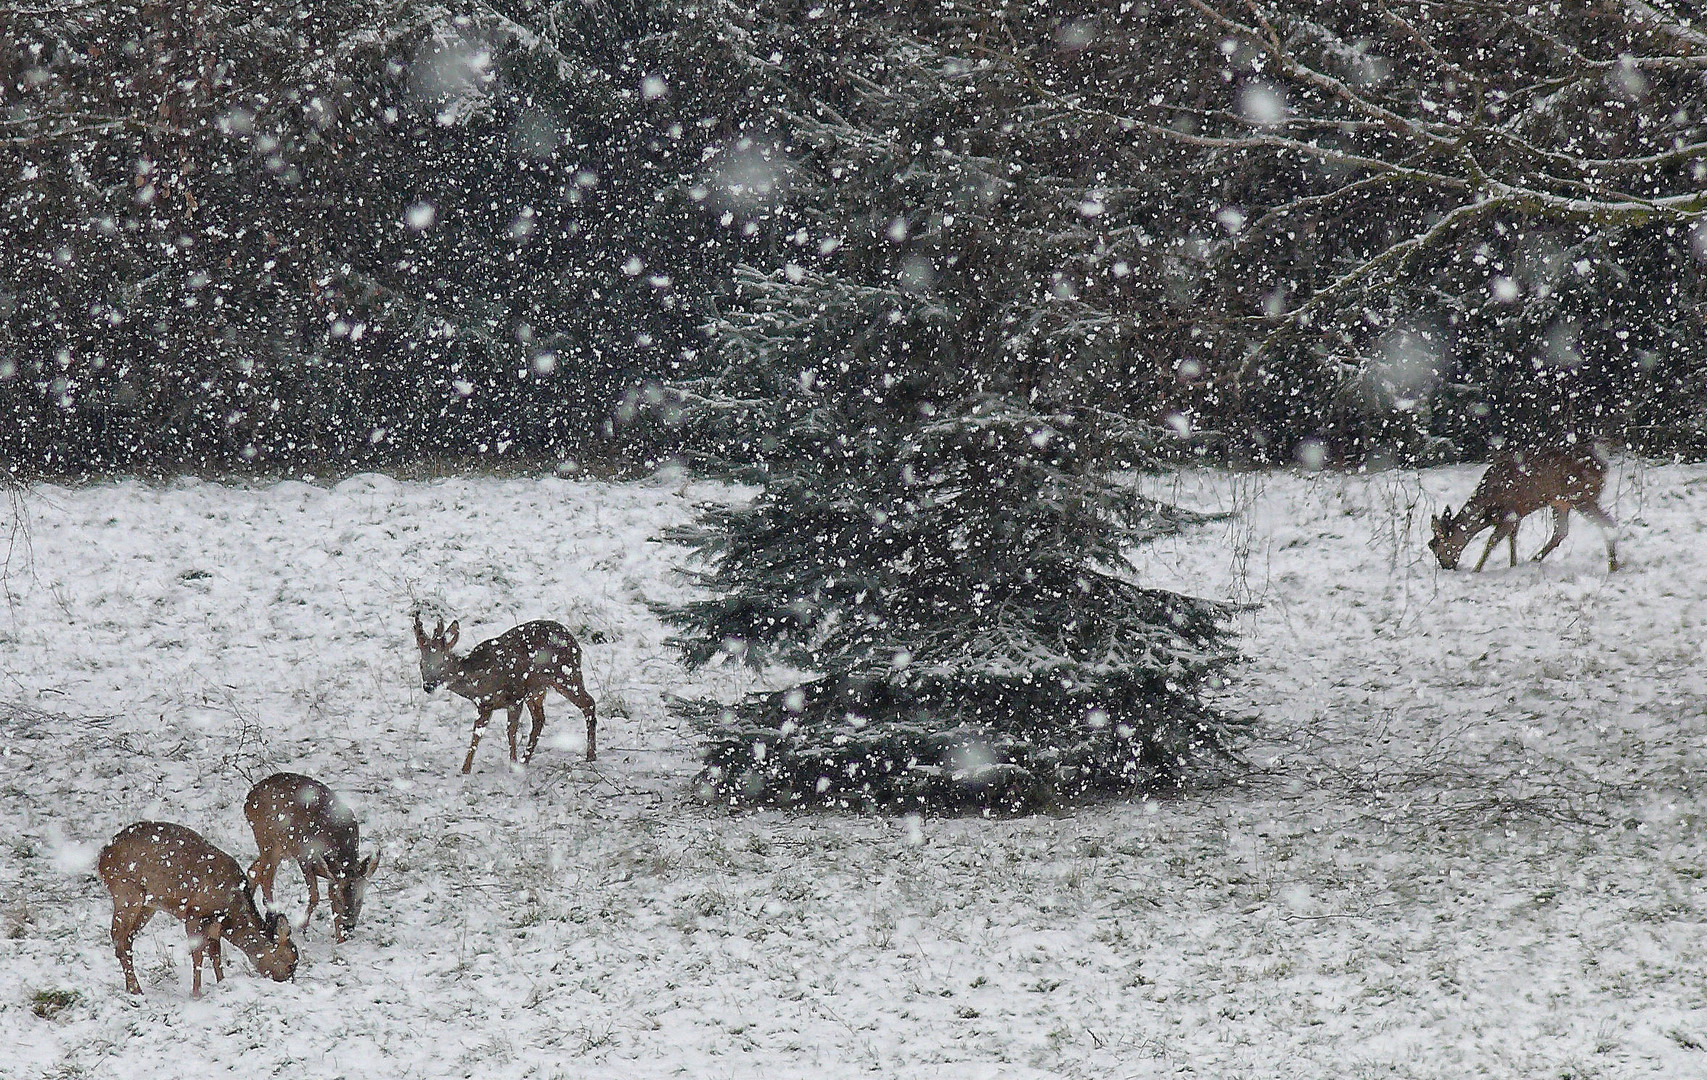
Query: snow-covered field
pixel 1469 843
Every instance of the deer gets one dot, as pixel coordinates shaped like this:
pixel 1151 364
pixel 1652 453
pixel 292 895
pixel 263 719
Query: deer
pixel 1515 486
pixel 157 866
pixel 299 818
pixel 509 671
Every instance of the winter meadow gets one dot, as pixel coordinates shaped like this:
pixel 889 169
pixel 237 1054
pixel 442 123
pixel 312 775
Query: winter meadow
pixel 556 538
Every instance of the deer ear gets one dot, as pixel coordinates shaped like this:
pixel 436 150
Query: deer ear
pixel 451 633
pixel 370 864
pixel 281 928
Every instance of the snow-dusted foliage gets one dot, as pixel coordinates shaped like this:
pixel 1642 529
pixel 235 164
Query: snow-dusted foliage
pixel 939 540
pixel 371 231
pixel 353 232
pixel 1420 228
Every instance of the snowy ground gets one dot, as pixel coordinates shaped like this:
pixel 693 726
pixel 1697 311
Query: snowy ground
pixel 1469 844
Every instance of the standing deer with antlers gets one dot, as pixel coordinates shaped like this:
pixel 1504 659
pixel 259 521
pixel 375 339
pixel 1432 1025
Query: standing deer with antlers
pixel 514 669
pixel 1515 486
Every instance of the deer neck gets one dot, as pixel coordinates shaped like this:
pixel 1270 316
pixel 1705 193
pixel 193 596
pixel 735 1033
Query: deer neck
pixel 344 854
pixel 1480 512
pixel 244 930
pixel 460 679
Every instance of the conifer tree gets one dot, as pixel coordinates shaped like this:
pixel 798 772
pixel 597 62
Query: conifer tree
pixel 940 542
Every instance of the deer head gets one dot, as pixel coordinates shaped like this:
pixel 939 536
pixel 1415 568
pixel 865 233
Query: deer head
pixel 1450 538
pixel 277 961
pixel 437 663
pixel 347 890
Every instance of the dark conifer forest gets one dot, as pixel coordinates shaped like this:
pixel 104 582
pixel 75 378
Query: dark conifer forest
pixel 328 236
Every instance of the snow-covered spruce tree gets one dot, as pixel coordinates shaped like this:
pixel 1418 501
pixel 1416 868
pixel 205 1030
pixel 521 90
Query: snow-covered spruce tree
pixel 940 540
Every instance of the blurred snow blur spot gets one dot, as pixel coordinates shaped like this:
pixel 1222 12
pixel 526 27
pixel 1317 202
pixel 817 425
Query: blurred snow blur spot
pixel 1559 347
pixel 74 859
pixel 1410 366
pixel 420 217
pixel 746 177
pixel 1627 80
pixel 970 759
pixel 1698 241
pixel 1262 105
pixel 452 76
pixel 1312 454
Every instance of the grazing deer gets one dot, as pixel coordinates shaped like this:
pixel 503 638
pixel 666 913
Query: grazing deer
pixel 156 866
pixel 298 818
pixel 515 668
pixel 1515 486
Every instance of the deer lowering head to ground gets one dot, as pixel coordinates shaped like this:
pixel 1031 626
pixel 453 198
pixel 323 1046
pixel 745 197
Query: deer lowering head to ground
pixel 156 866
pixel 1518 484
pixel 294 817
pixel 514 669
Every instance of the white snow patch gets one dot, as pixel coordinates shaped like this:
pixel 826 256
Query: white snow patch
pixel 1470 841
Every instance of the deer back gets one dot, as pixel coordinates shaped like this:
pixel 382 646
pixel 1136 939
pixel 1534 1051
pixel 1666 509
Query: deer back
pixel 517 663
pixel 305 820
pixel 1524 481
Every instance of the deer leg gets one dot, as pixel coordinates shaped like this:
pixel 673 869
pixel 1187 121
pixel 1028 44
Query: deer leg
pixel 1493 542
pixel 515 712
pixel 128 921
pixel 1561 529
pixel 262 873
pixel 213 951
pixel 197 929
pixel 536 709
pixel 1511 539
pixel 308 876
pixel 1608 528
pixel 480 723
pixel 576 691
